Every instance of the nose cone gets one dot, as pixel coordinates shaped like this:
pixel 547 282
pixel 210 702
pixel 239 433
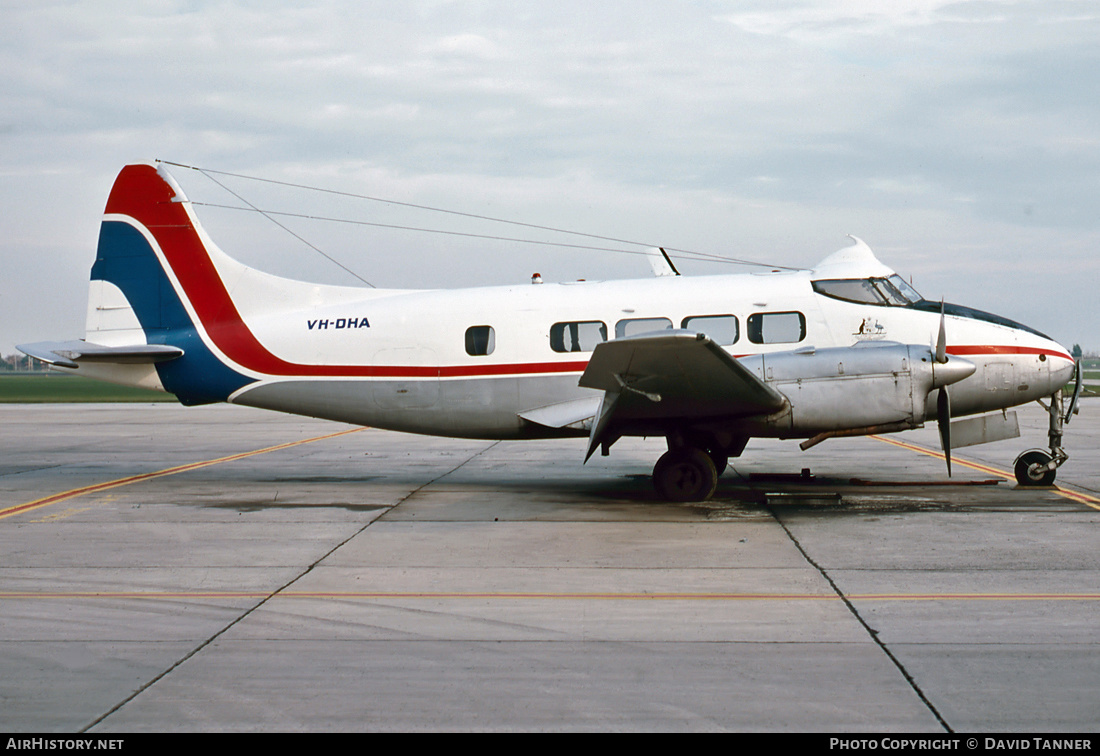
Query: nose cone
pixel 952 371
pixel 1062 369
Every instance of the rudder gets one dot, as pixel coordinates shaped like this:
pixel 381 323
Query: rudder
pixel 149 257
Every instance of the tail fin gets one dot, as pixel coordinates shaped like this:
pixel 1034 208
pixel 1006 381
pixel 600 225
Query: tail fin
pixel 152 280
pixel 159 297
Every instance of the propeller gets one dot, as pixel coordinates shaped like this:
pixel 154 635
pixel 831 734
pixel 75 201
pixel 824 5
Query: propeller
pixel 943 399
pixel 1077 384
pixel 946 369
pixel 941 340
pixel 943 419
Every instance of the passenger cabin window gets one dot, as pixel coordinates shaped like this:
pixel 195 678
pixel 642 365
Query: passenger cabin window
pixel 776 327
pixel 480 340
pixel 635 326
pixel 892 291
pixel 722 329
pixel 581 336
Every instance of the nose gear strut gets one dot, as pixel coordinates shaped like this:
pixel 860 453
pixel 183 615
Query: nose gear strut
pixel 1037 467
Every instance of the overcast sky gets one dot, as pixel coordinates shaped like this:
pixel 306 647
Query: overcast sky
pixel 961 140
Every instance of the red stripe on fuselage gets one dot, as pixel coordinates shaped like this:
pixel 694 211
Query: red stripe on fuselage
pixel 972 350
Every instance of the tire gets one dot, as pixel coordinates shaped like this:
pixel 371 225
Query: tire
pixel 685 474
pixel 1025 461
pixel 721 461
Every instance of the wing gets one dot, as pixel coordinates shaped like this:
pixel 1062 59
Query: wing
pixel 656 379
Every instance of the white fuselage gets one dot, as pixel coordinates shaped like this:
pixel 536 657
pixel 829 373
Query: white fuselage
pixel 419 376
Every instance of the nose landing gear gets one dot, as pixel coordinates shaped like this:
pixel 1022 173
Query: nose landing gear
pixel 1038 467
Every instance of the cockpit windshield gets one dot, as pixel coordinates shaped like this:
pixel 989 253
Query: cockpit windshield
pixel 894 292
pixel 888 292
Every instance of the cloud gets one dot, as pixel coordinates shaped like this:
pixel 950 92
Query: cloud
pixel 947 134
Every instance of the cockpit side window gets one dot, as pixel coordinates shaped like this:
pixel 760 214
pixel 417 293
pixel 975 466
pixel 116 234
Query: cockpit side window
pixel 892 291
pixel 850 290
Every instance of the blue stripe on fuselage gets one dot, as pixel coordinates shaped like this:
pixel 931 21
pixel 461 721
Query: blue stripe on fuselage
pixel 125 259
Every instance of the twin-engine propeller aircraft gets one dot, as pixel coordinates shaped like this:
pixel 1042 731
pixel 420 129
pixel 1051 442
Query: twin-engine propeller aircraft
pixel 845 349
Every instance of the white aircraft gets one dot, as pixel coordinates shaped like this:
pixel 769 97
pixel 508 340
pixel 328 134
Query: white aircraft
pixel 847 348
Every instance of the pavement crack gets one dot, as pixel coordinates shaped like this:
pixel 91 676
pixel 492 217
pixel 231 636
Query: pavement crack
pixel 206 643
pixel 871 632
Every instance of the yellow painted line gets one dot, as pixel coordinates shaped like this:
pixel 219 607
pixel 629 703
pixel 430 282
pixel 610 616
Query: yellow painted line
pixel 1081 498
pixel 66 495
pixel 62 515
pixel 525 596
pixel 955 460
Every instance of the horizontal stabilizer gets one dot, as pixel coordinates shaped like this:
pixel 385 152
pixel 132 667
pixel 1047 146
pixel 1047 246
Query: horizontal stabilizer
pixel 70 353
pixel 573 414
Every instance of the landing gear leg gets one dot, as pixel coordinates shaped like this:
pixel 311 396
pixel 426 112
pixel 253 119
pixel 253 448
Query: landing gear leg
pixel 1037 467
pixel 719 446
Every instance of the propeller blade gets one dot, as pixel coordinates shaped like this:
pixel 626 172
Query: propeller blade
pixel 1077 384
pixel 941 341
pixel 943 419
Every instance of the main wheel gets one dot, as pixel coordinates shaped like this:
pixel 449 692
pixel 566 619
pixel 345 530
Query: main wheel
pixel 721 461
pixel 1024 463
pixel 685 474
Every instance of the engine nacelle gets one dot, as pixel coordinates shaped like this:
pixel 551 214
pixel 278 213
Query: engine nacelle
pixel 869 385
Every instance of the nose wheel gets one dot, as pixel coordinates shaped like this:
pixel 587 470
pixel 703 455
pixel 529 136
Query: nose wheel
pixel 1033 468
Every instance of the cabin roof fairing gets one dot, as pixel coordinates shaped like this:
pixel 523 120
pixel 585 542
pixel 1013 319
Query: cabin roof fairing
pixel 855 261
